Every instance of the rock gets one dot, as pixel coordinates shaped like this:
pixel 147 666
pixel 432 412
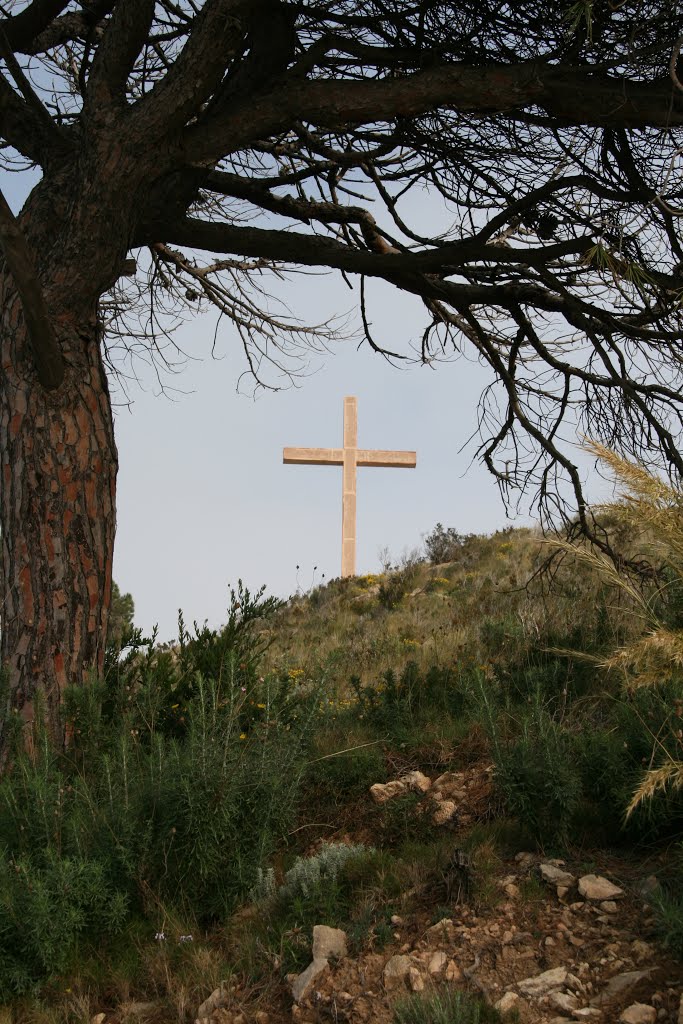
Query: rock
pixel 562 891
pixel 608 907
pixel 442 931
pixel 595 887
pixel 565 1002
pixel 553 875
pixel 680 1011
pixel 328 942
pixel 542 984
pixel 261 1017
pixel 437 962
pixel 416 782
pixel 396 920
pixel 415 980
pixel 218 998
pixel 619 985
pixel 444 812
pixel 587 1013
pixel 453 972
pixel 448 787
pixel 507 1002
pixel 99 1018
pixel 396 971
pixel 303 982
pixel 511 890
pixel 381 792
pixel 639 1013
pixel 525 860
pixel 642 951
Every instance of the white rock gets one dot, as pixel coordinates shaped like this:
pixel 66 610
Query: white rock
pixel 595 887
pixel 416 782
pixel 609 906
pixel 218 998
pixel 639 1013
pixel 437 962
pixel 542 984
pixel 642 951
pixel 507 1002
pixel 618 986
pixel 381 792
pixel 99 1018
pixel 415 980
pixel 328 942
pixel 587 1013
pixel 442 931
pixel 553 875
pixel 396 970
pixel 303 983
pixel 444 812
pixel 565 1002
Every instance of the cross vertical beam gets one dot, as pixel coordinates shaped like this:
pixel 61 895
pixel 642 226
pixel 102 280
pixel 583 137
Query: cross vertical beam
pixel 349 458
pixel 349 487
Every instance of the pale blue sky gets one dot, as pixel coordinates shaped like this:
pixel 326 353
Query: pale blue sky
pixel 204 498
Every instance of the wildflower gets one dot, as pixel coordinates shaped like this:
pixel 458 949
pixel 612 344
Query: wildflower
pixel 160 936
pixel 185 938
pixel 243 689
pixel 243 735
pixel 262 706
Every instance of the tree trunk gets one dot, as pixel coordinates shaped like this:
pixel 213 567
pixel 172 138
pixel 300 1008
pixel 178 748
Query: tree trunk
pixel 57 513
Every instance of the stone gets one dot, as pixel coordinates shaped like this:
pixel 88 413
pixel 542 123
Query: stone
pixel 328 942
pixel 382 792
pixel 562 891
pixel 608 907
pixel 437 962
pixel 525 859
pixel 507 1002
pixel 565 1002
pixel 349 458
pixel 638 1013
pixel 303 982
pixel 396 920
pixel 442 931
pixel 587 1013
pixel 261 1017
pixel 396 971
pixel 448 787
pixel 511 890
pixel 415 980
pixel 542 984
pixel 680 1011
pixel 553 875
pixel 619 985
pixel 218 998
pixel 416 782
pixel 99 1018
pixel 444 812
pixel 453 972
pixel 642 951
pixel 595 887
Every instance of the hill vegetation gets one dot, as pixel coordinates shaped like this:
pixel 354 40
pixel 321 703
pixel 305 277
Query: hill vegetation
pixel 213 802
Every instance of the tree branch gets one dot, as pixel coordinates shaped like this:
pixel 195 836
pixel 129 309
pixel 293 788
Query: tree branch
pixel 46 351
pixel 123 38
pixel 21 29
pixel 569 95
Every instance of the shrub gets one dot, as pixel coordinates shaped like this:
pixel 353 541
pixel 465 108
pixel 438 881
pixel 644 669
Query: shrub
pixel 443 544
pixel 535 772
pixel 145 814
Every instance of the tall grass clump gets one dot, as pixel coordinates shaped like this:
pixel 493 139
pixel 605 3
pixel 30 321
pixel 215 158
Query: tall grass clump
pixel 445 1006
pixel 180 777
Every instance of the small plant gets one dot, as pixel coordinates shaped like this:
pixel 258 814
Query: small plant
pixel 444 1006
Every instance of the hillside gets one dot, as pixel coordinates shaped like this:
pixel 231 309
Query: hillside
pixel 417 782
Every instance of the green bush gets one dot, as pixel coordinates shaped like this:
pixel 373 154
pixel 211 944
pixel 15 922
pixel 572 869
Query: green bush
pixel 145 814
pixel 535 772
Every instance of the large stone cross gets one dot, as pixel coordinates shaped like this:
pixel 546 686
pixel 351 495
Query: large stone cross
pixel 349 457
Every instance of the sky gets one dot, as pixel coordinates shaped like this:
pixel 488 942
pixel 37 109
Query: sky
pixel 204 498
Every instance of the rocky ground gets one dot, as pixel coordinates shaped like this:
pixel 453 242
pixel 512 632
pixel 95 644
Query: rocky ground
pixel 555 945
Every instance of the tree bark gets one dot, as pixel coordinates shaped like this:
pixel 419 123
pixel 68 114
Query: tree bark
pixel 58 465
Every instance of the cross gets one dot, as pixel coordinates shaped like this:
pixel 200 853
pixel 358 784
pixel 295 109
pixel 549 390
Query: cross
pixel 349 457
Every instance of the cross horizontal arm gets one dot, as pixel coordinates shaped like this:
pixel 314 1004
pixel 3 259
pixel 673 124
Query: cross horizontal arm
pixel 313 456
pixel 398 460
